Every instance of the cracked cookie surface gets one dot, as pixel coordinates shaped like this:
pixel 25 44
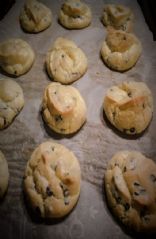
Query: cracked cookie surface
pixel 16 56
pixel 75 14
pixel 4 175
pixel 35 16
pixel 118 16
pixel 63 108
pixel 130 184
pixel 52 180
pixel 129 106
pixel 120 50
pixel 65 62
pixel 11 101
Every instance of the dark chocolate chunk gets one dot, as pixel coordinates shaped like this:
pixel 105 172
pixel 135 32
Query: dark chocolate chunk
pixel 136 193
pixel 126 206
pixel 49 192
pixel 153 178
pixel 58 118
pixel 132 130
pixel 136 184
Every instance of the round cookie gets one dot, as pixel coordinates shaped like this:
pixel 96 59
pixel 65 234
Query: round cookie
pixel 65 62
pixel 130 185
pixel 11 101
pixel 63 109
pixel 52 180
pixel 118 16
pixel 120 50
pixel 75 14
pixel 129 106
pixel 35 16
pixel 16 56
pixel 4 175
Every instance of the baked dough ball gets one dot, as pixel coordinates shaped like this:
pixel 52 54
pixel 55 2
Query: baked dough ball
pixel 4 175
pixel 64 109
pixel 11 101
pixel 16 56
pixel 129 106
pixel 118 16
pixel 120 50
pixel 130 185
pixel 65 62
pixel 75 14
pixel 35 16
pixel 52 180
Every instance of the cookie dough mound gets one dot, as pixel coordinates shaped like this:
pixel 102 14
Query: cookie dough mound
pixel 64 109
pixel 52 180
pixel 120 50
pixel 4 175
pixel 118 16
pixel 75 14
pixel 16 56
pixel 130 185
pixel 11 101
pixel 65 62
pixel 129 106
pixel 35 16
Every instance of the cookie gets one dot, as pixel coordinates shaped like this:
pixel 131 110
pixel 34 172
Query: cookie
pixel 129 106
pixel 75 14
pixel 118 16
pixel 11 101
pixel 4 175
pixel 63 109
pixel 16 56
pixel 121 50
pixel 130 185
pixel 65 62
pixel 52 180
pixel 35 16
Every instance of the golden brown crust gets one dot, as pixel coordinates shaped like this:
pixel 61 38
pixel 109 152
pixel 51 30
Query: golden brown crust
pixel 35 16
pixel 16 56
pixel 129 107
pixel 4 175
pixel 11 101
pixel 120 50
pixel 130 183
pixel 52 180
pixel 75 14
pixel 63 109
pixel 118 16
pixel 65 62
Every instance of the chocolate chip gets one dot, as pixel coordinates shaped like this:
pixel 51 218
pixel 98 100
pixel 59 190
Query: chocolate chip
pixel 114 114
pixel 129 94
pixel 62 130
pixel 62 56
pixel 136 193
pixel 125 169
pixel 52 148
pixel 49 192
pixel 127 206
pixel 15 72
pixel 136 184
pixel 143 106
pixel 118 199
pixel 132 130
pixel 58 118
pixel 153 178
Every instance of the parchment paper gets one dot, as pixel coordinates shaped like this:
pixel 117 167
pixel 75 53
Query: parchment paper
pixel 94 144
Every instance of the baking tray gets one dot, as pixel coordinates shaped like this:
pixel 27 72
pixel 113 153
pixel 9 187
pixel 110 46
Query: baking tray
pixel 94 144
